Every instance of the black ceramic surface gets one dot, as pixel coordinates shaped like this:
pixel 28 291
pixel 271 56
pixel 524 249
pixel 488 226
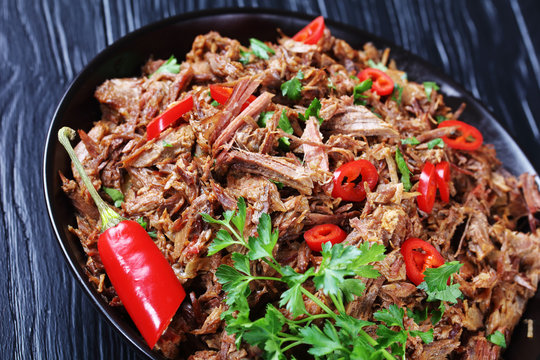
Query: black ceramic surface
pixel 78 109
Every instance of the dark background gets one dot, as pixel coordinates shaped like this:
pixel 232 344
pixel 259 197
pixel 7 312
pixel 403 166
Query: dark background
pixel 490 47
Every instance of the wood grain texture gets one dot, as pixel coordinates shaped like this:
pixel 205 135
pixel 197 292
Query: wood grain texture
pixel 491 47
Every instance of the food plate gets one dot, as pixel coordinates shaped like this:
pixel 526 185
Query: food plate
pixel 78 109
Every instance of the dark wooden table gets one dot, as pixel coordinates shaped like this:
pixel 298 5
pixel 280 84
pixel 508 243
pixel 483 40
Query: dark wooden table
pixel 491 47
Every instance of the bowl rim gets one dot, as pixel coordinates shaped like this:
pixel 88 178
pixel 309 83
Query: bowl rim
pixel 137 343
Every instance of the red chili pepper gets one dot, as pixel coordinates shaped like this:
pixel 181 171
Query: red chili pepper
pixel 345 186
pixel 312 32
pixel 142 277
pixel 469 137
pixel 320 234
pixel 416 262
pixel 442 172
pixel 222 93
pixel 169 117
pixel 427 187
pixel 382 83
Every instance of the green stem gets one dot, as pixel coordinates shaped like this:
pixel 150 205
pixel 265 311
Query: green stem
pixel 311 318
pixel 371 341
pixel 109 217
pixel 338 304
pixel 266 278
pixel 318 302
pixel 290 346
pixel 273 266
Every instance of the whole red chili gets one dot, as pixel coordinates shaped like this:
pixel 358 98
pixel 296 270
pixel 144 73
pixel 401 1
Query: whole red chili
pixel 427 187
pixel 312 32
pixel 419 255
pixel 468 137
pixel 168 117
pixel 222 93
pixel 141 276
pixel 349 180
pixel 382 83
pixel 320 234
pixel 442 173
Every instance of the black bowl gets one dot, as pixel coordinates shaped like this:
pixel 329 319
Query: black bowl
pixel 78 109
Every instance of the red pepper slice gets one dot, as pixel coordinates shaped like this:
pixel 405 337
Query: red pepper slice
pixel 427 187
pixel 142 277
pixel 222 93
pixel 345 186
pixel 312 32
pixel 320 234
pixel 168 117
pixel 442 171
pixel 469 137
pixel 419 255
pixel 382 83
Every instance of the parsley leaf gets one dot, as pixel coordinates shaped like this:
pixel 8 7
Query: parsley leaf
pixel 404 170
pixel 435 282
pixel 410 141
pixel 170 66
pixel 245 57
pixel 284 123
pixel 141 222
pixel 152 234
pixel 165 144
pixel 279 184
pixel 374 65
pixel 359 89
pixel 393 316
pixel 322 343
pixel 214 103
pixel 397 93
pixel 260 49
pixel 263 245
pixel 435 142
pixel 440 118
pixel 293 88
pixel 223 239
pixel 418 316
pixel 497 338
pixel 116 195
pixel 426 336
pixel 436 314
pixel 429 86
pixel 313 110
pixel 264 117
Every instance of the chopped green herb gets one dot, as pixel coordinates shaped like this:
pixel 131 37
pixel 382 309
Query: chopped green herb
pixel 436 314
pixel 152 234
pixel 214 103
pixel 284 143
pixel 354 77
pixel 429 86
pixel 260 49
pixel 264 117
pixel 404 170
pixel 279 184
pixel 169 66
pixel 165 144
pixel 359 90
pixel 435 283
pixel 330 84
pixel 313 109
pixel 375 112
pixel 497 338
pixel 398 92
pixel 410 141
pixel 374 65
pixel 292 88
pixel 435 142
pixel 440 118
pixel 340 336
pixel 116 195
pixel 418 316
pixel 142 222
pixel 245 57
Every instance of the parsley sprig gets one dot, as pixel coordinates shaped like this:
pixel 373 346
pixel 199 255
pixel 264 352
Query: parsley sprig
pixel 313 109
pixel 341 336
pixel 170 66
pixel 293 88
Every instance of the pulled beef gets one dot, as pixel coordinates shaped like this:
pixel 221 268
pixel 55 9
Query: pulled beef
pixel 217 154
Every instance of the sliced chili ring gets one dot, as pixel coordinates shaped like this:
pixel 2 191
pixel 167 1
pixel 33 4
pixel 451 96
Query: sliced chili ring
pixel 382 83
pixel 468 138
pixel 168 117
pixel 312 32
pixel 320 234
pixel 222 93
pixel 442 171
pixel 419 255
pixel 427 187
pixel 345 185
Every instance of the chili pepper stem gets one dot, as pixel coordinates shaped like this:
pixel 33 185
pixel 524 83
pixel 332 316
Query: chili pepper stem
pixel 109 217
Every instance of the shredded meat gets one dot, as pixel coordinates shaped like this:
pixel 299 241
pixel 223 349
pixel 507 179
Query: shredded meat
pixel 283 165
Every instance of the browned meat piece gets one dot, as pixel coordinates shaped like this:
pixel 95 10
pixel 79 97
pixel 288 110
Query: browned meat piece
pixel 479 348
pixel 359 121
pixel 532 198
pixel 291 223
pixel 274 168
pixel 121 98
pixel 258 191
pixel 439 349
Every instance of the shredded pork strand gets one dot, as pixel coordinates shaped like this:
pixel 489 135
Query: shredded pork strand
pixel 216 154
